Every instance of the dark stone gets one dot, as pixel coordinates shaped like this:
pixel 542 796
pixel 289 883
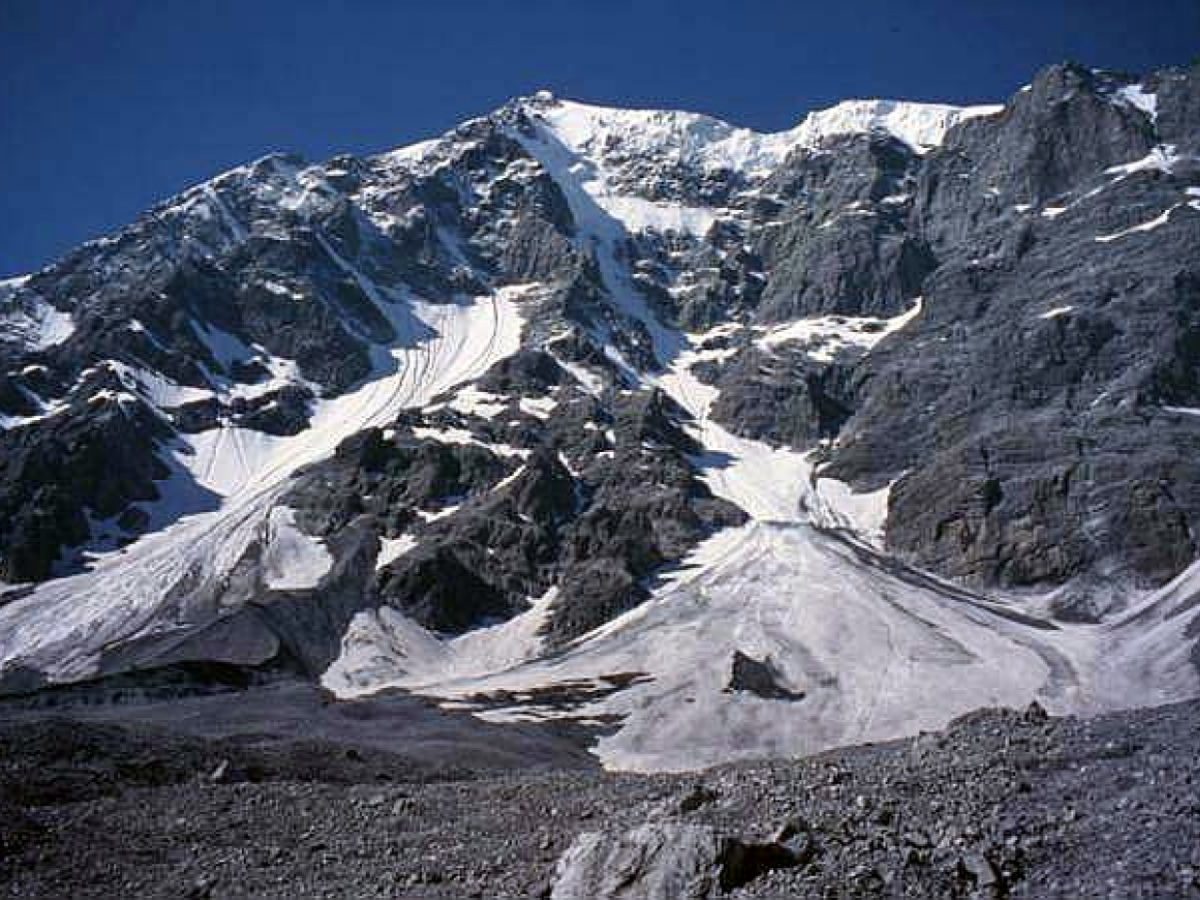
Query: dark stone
pixel 759 678
pixel 697 797
pixel 1035 713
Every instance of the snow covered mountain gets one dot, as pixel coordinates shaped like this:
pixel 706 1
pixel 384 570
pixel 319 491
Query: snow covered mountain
pixel 723 444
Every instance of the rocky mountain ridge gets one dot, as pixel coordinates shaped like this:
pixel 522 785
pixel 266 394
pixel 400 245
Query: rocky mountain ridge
pixel 502 415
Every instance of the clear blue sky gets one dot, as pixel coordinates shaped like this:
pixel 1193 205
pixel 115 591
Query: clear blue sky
pixel 109 105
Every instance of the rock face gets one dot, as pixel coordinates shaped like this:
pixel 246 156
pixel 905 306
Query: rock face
pixel 1064 453
pixel 509 383
pixel 518 529
pixel 843 245
pixel 89 463
pixel 19 830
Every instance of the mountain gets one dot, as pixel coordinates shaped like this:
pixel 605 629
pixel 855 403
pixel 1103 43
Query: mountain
pixel 720 444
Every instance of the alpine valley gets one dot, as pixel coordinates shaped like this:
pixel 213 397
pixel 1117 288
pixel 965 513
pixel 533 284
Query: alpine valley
pixel 691 443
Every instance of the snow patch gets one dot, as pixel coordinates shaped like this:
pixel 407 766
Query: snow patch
pixel 391 549
pixel 1162 158
pixel 1056 312
pixel 1138 97
pixel 1156 222
pixel 470 400
pixel 831 334
pixel 225 348
pixel 462 436
pixel 30 320
pixel 292 560
pixel 538 407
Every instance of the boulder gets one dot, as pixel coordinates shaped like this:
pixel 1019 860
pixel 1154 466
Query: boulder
pixel 670 861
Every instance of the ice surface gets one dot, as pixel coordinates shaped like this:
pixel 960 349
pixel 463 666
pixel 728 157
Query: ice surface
pixel 860 513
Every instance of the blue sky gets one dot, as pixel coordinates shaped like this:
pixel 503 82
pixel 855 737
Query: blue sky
pixel 106 107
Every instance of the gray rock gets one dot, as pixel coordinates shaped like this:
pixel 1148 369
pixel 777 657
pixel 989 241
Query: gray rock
pixel 666 860
pixel 844 247
pixel 1032 424
pixel 652 862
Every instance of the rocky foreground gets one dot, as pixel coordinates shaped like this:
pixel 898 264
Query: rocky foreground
pixel 1000 804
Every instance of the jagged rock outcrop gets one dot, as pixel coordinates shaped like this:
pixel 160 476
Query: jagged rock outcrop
pixel 842 245
pixel 79 469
